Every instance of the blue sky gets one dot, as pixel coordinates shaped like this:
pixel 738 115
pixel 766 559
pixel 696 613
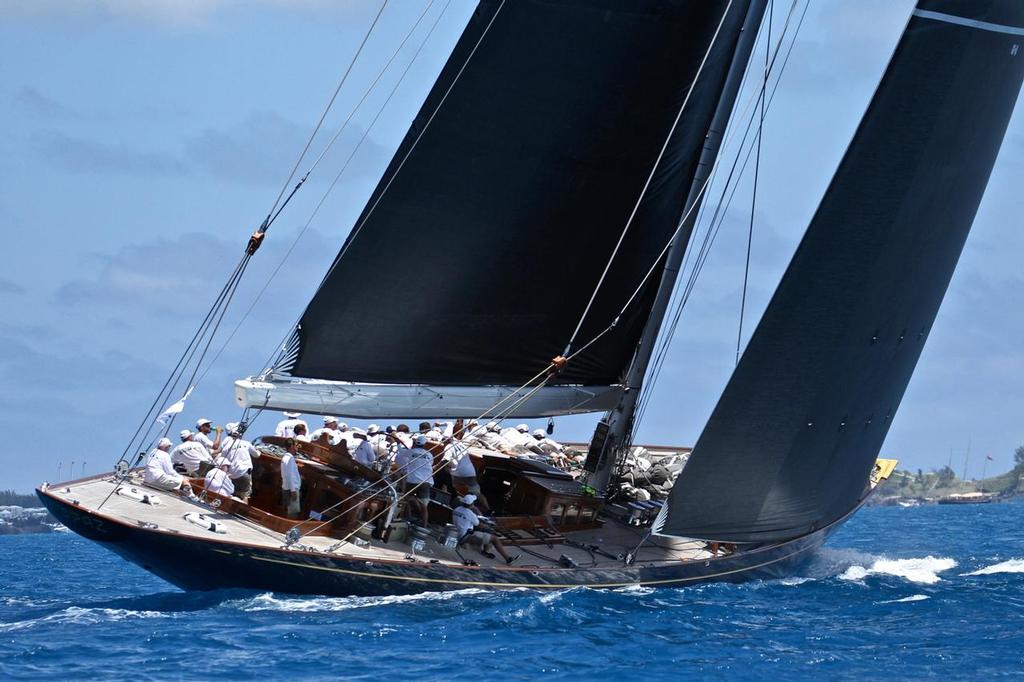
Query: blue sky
pixel 143 141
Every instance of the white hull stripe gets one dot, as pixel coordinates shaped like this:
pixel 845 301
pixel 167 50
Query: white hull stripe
pixel 971 23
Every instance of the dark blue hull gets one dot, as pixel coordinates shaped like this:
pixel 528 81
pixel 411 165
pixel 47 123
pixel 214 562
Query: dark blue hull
pixel 207 564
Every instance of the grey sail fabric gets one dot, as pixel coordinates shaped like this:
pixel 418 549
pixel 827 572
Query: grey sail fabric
pixel 478 251
pixel 792 441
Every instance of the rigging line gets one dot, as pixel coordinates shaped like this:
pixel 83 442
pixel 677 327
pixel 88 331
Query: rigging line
pixel 373 207
pixel 730 134
pixel 344 125
pixel 176 374
pixel 323 198
pixel 713 229
pixel 650 177
pixel 158 401
pixel 212 331
pixel 753 195
pixel 271 215
pixel 330 103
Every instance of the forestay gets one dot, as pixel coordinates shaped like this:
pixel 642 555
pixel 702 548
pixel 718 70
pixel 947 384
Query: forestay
pixel 477 253
pixel 791 443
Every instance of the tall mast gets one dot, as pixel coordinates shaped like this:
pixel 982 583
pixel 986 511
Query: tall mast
pixel 611 436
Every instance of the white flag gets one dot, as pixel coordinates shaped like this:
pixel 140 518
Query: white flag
pixel 174 409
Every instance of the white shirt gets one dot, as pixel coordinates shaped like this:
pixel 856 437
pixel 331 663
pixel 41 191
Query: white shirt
pixel 546 444
pixel 333 434
pixel 516 437
pixel 290 479
pixel 379 443
pixel 286 428
pixel 465 519
pixel 494 441
pixel 218 481
pixel 459 460
pixel 301 438
pixel 364 453
pixel 418 465
pixel 239 454
pixel 189 454
pixel 160 471
pixel 205 440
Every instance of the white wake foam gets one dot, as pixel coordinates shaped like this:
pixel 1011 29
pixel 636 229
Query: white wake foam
pixel 82 616
pixel 1010 566
pixel 923 571
pixel 911 598
pixel 268 602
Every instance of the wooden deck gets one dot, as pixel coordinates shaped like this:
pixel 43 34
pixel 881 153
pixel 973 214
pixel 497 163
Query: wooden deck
pixel 613 538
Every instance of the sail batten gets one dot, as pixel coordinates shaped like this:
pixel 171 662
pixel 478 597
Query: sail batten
pixel 486 236
pixel 790 445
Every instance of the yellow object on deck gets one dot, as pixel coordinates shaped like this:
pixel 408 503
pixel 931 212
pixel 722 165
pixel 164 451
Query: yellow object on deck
pixel 883 469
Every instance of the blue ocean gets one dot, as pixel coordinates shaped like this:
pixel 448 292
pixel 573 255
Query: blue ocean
pixel 897 594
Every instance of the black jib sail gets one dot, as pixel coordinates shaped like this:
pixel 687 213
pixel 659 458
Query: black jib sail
pixel 793 439
pixel 476 255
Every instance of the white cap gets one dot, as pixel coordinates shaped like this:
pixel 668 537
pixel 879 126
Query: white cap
pixel 539 433
pixel 372 429
pixel 469 499
pixel 231 428
pixel 293 415
pixel 492 426
pixel 342 426
pixel 164 443
pixel 420 440
pixel 523 428
pixel 185 434
pixel 203 421
pixel 330 420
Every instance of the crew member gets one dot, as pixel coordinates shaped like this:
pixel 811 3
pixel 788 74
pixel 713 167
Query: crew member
pixel 286 427
pixel 239 453
pixel 218 481
pixel 541 440
pixel 300 433
pixel 190 457
pixel 378 441
pixel 460 464
pixel 467 521
pixel 291 482
pixel 330 428
pixel 491 438
pixel 416 465
pixel 202 435
pixel 363 452
pixel 160 471
pixel 517 435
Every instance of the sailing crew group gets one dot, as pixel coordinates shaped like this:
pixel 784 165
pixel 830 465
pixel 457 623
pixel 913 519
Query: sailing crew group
pixel 223 459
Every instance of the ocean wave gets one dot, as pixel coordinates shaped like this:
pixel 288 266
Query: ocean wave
pixel 269 602
pixel 1009 566
pixel 76 615
pixel 924 571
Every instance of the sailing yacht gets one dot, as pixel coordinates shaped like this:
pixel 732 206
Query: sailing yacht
pixel 584 133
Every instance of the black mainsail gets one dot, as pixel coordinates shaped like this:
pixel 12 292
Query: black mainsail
pixel 792 441
pixel 479 250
